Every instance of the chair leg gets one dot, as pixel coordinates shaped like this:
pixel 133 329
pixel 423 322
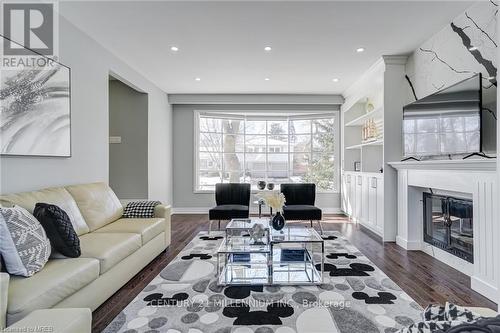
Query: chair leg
pixel 219 224
pixel 311 223
pixel 320 227
pixel 210 226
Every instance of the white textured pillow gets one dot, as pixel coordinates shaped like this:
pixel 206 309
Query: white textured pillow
pixel 24 245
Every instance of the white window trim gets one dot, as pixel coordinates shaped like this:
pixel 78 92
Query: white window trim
pixel 309 114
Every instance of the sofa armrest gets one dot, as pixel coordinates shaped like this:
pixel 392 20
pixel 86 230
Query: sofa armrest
pixel 4 293
pixel 163 211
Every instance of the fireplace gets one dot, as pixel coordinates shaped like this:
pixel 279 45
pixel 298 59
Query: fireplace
pixel 448 224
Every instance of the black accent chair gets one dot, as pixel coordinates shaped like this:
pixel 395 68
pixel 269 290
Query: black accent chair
pixel 232 200
pixel 299 204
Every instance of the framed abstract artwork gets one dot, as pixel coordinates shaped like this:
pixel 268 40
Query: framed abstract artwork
pixel 35 109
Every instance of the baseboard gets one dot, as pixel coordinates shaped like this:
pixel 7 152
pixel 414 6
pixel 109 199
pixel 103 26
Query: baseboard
pixel 190 210
pixel 408 245
pixel 253 210
pixel 485 289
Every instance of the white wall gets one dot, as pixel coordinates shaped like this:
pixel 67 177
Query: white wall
pixel 90 66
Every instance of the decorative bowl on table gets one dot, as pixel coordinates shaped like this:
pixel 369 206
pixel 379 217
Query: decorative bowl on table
pixel 270 186
pixel 261 184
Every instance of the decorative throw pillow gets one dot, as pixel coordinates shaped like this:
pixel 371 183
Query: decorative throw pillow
pixel 140 209
pixel 59 229
pixel 24 245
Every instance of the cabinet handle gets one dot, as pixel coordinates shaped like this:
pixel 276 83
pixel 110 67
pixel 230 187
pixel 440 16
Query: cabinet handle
pixel 374 182
pixel 360 180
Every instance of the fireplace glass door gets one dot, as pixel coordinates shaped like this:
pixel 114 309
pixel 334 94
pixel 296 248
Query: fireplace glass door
pixel 448 224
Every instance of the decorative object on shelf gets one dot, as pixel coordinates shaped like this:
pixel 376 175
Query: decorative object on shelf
pixel 36 108
pixel 270 186
pixel 276 201
pixel 278 221
pixel 369 107
pixel 257 233
pixel 357 166
pixel 261 184
pixel 369 131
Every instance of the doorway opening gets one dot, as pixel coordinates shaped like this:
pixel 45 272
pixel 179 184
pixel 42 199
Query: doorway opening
pixel 128 141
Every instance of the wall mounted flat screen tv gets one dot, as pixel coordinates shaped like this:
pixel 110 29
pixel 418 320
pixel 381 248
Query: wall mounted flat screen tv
pixel 447 122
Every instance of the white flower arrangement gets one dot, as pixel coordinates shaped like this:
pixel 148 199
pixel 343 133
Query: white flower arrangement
pixel 275 200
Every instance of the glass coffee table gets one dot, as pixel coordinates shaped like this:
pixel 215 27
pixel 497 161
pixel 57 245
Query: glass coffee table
pixel 289 258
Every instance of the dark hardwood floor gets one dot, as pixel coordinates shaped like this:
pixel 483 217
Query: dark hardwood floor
pixel 424 278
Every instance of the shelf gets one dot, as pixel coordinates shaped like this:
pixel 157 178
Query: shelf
pixel 360 120
pixel 379 142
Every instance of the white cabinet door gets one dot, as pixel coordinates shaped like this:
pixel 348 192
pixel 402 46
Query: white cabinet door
pixel 365 200
pixel 372 201
pixel 380 204
pixel 348 197
pixel 358 196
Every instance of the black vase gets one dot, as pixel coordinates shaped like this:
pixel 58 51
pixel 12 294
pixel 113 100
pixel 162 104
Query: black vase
pixel 278 221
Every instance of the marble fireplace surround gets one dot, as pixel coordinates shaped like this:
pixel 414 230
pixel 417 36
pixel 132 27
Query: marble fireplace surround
pixel 475 179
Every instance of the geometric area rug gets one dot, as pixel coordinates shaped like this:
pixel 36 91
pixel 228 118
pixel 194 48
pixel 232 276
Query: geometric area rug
pixel 356 297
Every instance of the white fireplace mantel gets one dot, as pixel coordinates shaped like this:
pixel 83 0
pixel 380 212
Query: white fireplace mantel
pixel 473 177
pixel 468 164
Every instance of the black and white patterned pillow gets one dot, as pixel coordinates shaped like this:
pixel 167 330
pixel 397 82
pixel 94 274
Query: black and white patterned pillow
pixel 440 319
pixel 140 209
pixel 24 245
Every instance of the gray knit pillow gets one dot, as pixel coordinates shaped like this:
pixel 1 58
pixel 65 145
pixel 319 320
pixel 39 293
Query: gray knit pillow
pixel 24 245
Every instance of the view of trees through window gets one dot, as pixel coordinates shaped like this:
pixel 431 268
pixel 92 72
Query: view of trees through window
pixel 278 150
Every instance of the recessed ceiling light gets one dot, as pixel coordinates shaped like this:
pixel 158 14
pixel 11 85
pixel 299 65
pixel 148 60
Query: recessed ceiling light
pixel 197 79
pixel 360 49
pixel 174 48
pixel 267 79
pixel 472 48
pixel 335 80
pixel 267 48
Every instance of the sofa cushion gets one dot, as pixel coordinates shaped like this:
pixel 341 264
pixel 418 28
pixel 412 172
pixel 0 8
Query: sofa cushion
pixel 59 229
pixel 148 228
pixel 59 279
pixel 97 202
pixel 69 320
pixel 109 248
pixel 57 196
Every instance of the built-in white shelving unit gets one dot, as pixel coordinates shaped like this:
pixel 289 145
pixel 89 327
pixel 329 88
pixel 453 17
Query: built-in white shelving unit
pixel 369 196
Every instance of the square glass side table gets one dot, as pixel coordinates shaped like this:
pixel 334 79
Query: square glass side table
pixel 294 251
pixel 241 263
pixel 289 258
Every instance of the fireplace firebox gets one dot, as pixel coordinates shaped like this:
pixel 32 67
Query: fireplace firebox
pixel 448 224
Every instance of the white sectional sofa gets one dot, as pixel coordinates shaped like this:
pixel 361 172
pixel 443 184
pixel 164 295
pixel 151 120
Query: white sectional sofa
pixel 114 249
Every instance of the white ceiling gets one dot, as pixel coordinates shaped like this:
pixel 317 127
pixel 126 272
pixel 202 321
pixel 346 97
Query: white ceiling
pixel 223 42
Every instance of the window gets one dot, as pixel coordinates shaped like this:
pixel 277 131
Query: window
pixel 279 149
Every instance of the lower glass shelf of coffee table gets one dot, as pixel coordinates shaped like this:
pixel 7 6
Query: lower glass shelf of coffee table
pixel 284 267
pixel 259 274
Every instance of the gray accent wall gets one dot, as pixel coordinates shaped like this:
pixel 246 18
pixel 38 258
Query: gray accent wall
pixel 184 198
pixel 91 65
pixel 128 160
